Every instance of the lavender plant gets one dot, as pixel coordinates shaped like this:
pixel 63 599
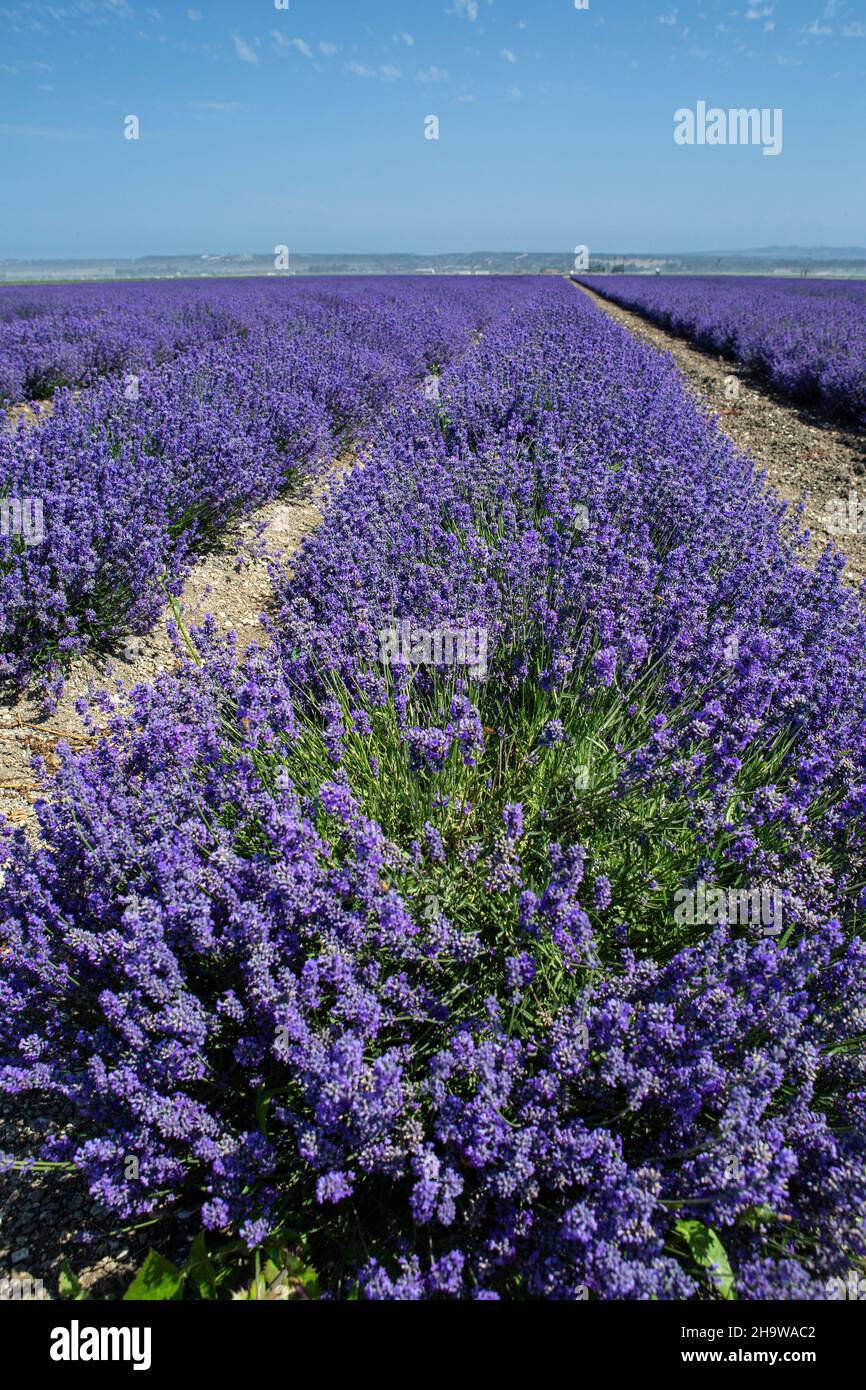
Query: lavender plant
pixel 807 337
pixel 370 954
pixel 131 482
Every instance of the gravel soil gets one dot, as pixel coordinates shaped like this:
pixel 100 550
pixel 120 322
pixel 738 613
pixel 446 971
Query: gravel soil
pixel 30 412
pixel 802 452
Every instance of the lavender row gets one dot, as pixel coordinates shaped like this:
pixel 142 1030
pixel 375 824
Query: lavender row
pixel 71 335
pixel 105 503
pixel 403 981
pixel 808 338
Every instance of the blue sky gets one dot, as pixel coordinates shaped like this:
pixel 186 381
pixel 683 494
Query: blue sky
pixel 305 126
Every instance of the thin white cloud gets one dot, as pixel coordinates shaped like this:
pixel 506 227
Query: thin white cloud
pixel 195 15
pixel 329 49
pixel 37 132
pixel 26 66
pixel 465 9
pixel 283 42
pixel 408 39
pixel 508 55
pixel 243 50
pixel 855 31
pixel 669 18
pixel 385 71
pixel 431 74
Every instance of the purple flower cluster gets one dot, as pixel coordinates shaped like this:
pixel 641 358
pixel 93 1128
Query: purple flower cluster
pixel 71 335
pixel 132 478
pixel 807 337
pixel 428 1053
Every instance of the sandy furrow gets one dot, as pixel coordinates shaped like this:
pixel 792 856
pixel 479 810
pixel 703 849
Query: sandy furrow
pixel 231 582
pixel 801 450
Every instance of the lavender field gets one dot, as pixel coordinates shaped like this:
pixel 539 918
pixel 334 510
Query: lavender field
pixel 805 337
pixel 496 932
pixel 123 482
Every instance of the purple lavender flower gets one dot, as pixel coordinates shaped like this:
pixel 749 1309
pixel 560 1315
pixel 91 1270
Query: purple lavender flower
pixel 602 894
pixel 512 819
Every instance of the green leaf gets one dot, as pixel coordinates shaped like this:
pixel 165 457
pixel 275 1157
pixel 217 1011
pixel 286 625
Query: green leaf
pixel 200 1269
pixel 707 1251
pixel 67 1284
pixel 757 1216
pixel 303 1276
pixel 158 1279
pixel 263 1100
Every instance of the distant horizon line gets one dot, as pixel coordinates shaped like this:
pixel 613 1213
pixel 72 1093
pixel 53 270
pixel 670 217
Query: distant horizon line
pixel 849 252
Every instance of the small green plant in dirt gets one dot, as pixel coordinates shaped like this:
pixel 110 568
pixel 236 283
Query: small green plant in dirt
pixel 227 1271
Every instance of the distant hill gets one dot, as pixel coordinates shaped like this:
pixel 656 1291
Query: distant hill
pixel 816 253
pixel 779 260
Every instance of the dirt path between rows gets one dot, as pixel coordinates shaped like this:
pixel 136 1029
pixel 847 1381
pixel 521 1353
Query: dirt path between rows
pixel 31 412
pixel 801 450
pixel 232 582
